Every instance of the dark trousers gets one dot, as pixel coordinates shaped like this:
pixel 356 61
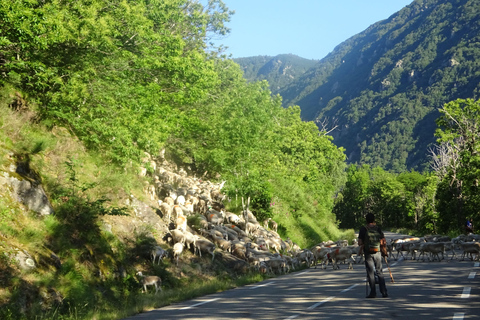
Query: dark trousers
pixel 373 262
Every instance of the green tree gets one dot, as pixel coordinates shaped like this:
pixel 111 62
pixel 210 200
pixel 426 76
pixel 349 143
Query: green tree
pixel 458 131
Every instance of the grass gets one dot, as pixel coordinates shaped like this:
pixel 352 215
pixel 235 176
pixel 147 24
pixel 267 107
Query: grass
pixel 84 270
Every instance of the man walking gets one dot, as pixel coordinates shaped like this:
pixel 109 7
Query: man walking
pixel 371 239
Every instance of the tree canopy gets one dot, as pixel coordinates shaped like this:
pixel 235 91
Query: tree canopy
pixel 128 77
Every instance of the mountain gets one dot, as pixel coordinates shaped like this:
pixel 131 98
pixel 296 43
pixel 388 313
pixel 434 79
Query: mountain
pixel 279 71
pixel 382 88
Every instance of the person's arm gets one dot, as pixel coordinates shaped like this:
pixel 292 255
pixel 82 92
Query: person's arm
pixel 361 234
pixel 361 245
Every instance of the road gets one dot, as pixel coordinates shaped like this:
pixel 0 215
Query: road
pixel 422 290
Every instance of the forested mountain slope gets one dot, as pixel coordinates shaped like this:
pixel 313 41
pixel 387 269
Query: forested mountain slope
pixel 279 71
pixel 383 87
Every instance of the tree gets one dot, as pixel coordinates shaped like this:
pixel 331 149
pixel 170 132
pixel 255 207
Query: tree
pixel 458 132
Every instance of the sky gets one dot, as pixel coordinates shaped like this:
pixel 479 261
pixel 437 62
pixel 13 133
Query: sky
pixel 307 28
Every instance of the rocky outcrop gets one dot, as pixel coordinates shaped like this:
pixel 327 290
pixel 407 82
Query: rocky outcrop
pixel 25 190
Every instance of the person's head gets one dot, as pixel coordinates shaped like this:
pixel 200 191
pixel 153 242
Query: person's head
pixel 370 217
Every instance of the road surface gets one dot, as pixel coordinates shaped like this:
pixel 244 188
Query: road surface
pixel 422 290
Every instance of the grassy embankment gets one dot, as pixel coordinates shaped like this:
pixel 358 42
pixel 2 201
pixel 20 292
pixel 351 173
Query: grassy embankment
pixel 85 190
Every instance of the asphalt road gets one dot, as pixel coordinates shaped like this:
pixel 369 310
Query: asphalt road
pixel 422 290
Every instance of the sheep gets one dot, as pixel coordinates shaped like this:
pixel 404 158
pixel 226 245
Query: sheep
pixel 180 200
pixel 239 231
pixel 214 219
pixel 342 243
pixel 305 256
pixel 170 201
pixel 265 223
pixel 471 248
pixel 276 264
pixel 166 210
pixel 232 234
pixel 274 224
pixel 295 248
pixel 319 253
pixel 188 207
pixel 250 228
pixel 201 206
pixel 274 243
pixel 189 239
pixel 412 248
pixel 219 229
pixel 177 251
pixel 289 264
pixel 174 236
pixel 205 246
pixel 181 222
pixel 403 245
pixel 222 243
pixel 150 281
pixel 355 249
pixel 239 249
pixel 450 246
pixel 262 267
pixel 159 252
pixel 434 248
pixel 339 254
pixel 211 233
pixel 232 217
pixel 258 254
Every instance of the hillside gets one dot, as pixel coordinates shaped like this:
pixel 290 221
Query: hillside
pixel 110 109
pixel 75 230
pixel 383 86
pixel 279 71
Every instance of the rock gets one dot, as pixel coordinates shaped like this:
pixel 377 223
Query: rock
pixel 31 195
pixel 25 260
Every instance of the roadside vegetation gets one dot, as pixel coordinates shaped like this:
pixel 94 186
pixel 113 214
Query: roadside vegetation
pixel 88 87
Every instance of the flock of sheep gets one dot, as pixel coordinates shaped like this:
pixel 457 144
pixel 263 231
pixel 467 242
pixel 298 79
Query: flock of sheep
pixel 435 247
pixel 198 222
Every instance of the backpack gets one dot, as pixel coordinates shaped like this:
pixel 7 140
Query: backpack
pixel 372 239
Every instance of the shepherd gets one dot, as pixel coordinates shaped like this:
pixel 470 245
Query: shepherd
pixel 372 243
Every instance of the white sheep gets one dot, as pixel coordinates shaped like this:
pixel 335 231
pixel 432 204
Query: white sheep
pixel 189 239
pixel 177 251
pixel 180 200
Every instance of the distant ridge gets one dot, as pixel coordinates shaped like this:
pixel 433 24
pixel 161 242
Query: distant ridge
pixel 279 71
pixel 383 86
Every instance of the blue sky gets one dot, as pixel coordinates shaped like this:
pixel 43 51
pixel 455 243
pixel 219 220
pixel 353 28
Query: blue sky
pixel 307 28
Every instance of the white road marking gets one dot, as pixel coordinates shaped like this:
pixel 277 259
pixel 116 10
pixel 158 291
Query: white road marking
pixel 349 288
pixel 293 317
pixel 320 303
pixel 262 285
pixel 472 275
pixel 199 304
pixel 458 316
pixel 466 292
